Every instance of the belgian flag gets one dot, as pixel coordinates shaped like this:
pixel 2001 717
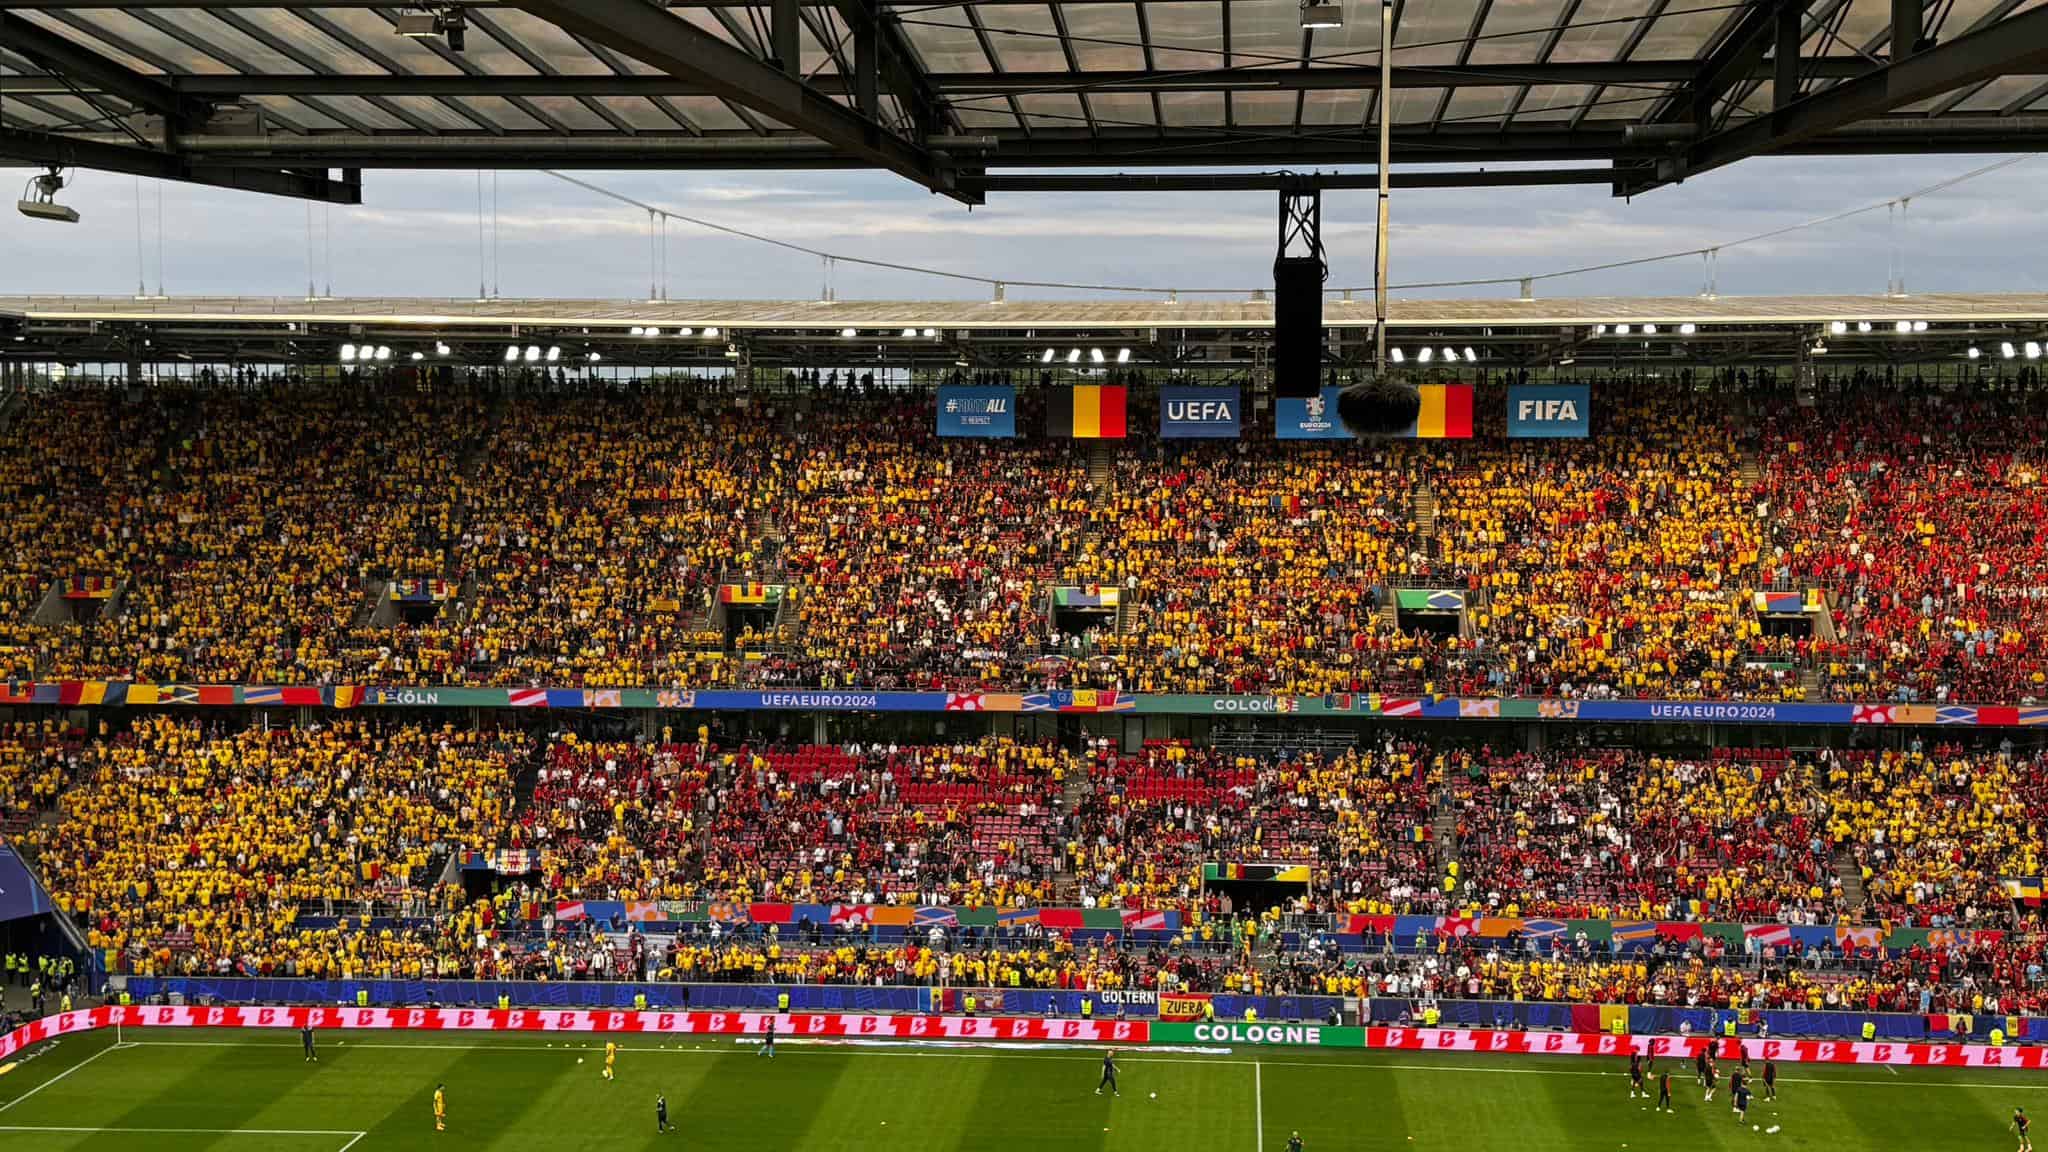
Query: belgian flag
pixel 1086 412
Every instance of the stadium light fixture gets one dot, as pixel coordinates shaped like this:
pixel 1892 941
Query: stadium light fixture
pixel 533 353
pixel 2005 350
pixel 1974 352
pixel 348 353
pixel 383 352
pixel 511 353
pixel 1047 358
pixel 1073 356
pixel 711 333
pixel 1839 327
pixel 1863 326
pixel 1123 355
pixel 1399 356
pixel 686 332
pixel 1424 356
pixel 440 349
pixel 1919 325
pixel 1567 361
pixel 554 354
pixel 1314 15
pixel 1600 330
pixel 1649 329
pixel 1621 329
pixel 2033 350
pixel 1471 357
pixel 848 333
pixel 1095 355
pixel 594 357
pixel 39 199
pixel 418 356
pixel 910 333
pixel 1902 327
pixel 637 330
pixel 931 333
pixel 1450 354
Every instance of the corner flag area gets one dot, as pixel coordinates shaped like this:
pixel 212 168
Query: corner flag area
pixel 232 1089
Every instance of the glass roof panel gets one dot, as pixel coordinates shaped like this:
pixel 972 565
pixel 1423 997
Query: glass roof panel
pixel 503 113
pixel 1355 45
pixel 365 113
pixel 1123 109
pixel 1191 109
pixel 1433 33
pixel 1473 105
pixel 1999 93
pixel 75 111
pixel 1515 31
pixel 1105 38
pixel 550 43
pixel 1553 102
pixel 1053 110
pixel 1681 33
pixel 1263 108
pixel 708 113
pixel 332 55
pixel 411 55
pixel 1599 33
pixel 643 115
pixel 945 42
pixel 92 42
pixel 1415 105
pixel 1266 32
pixel 571 113
pixel 1867 21
pixel 299 113
pixel 1186 37
pixel 708 20
pixel 987 116
pixel 16 112
pixel 439 113
pixel 157 42
pixel 232 44
pixel 1324 109
pixel 1024 38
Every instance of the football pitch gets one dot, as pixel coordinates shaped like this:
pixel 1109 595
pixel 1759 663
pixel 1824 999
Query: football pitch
pixel 240 1091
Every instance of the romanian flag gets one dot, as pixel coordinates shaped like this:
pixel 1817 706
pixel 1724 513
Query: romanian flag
pixel 1094 412
pixel 1446 413
pixel 749 593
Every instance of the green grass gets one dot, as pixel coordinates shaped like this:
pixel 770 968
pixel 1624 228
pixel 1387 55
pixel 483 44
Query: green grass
pixel 250 1091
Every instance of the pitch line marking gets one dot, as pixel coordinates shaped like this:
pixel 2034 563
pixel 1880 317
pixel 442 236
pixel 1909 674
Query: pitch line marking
pixel 54 1079
pixel 198 1131
pixel 1259 1102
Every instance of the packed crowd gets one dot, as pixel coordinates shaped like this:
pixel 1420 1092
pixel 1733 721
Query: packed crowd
pixel 248 535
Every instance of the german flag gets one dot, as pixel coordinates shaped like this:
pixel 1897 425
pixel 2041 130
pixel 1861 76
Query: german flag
pixel 1088 412
pixel 1446 412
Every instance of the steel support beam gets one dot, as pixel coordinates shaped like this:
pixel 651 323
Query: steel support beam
pixel 2018 44
pixel 1277 181
pixel 785 26
pixel 958 84
pixel 691 54
pixel 303 182
pixel 1735 59
pixel 1908 28
pixel 90 70
pixel 1785 57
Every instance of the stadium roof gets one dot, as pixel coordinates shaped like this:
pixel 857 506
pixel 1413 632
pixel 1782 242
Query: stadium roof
pixel 984 334
pixel 296 96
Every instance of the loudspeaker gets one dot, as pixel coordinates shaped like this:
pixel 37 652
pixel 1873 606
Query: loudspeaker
pixel 1297 326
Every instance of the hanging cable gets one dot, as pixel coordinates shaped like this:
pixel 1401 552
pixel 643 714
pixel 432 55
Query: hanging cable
pixel 482 275
pixel 141 265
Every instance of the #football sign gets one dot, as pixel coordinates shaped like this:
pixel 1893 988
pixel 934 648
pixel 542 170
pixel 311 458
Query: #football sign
pixel 1550 412
pixel 1198 413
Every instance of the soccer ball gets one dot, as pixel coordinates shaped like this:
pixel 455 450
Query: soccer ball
pixel 1155 1095
pixel 1756 1127
pixel 579 1059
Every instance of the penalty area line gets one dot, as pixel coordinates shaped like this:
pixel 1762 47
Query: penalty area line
pixel 350 1132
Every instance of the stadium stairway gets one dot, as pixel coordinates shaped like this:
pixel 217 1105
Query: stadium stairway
pixel 1854 897
pixel 1751 474
pixel 1101 459
pixel 12 405
pixel 1423 507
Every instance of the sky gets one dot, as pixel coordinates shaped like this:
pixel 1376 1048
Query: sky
pixel 416 235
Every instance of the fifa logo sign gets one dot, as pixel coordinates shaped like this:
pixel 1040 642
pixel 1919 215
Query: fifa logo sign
pixel 1544 410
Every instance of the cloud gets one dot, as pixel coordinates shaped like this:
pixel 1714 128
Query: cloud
pixel 419 236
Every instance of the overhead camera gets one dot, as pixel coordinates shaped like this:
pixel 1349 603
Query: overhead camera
pixel 39 199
